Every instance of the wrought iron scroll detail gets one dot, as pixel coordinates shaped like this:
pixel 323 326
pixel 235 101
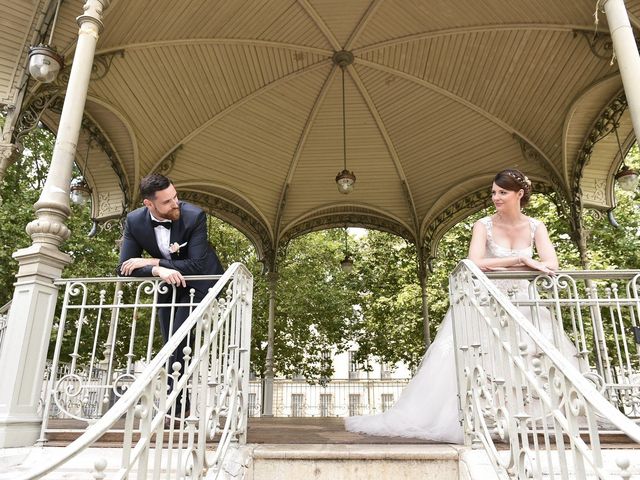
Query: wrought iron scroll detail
pixel 336 220
pixel 609 118
pixel 102 64
pixel 602 127
pixel 49 94
pixel 447 218
pixel 600 43
pixel 168 162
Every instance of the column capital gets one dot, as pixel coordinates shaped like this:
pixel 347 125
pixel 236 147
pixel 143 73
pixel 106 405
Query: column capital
pixel 49 228
pixel 40 260
pixel 93 10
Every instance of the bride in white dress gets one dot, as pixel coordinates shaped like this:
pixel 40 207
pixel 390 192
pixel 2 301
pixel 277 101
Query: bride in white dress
pixel 428 406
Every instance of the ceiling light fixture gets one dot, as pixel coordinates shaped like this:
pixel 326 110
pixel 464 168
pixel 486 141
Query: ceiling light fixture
pixel 346 178
pixel 79 191
pixel 44 60
pixel 626 177
pixel 347 262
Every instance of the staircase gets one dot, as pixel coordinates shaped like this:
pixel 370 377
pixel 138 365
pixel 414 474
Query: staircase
pixel 301 448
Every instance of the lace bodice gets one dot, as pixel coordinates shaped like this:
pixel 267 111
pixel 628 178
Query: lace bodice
pixel 513 288
pixel 495 250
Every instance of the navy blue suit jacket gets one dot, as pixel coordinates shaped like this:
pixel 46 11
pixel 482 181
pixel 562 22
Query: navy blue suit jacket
pixel 197 257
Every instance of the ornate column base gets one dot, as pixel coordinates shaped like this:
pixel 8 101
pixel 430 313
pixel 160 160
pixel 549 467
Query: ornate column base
pixel 24 350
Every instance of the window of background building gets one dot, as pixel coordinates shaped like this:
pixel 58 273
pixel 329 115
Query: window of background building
pixel 354 366
pixel 297 405
pixel 385 370
pixel 387 401
pixel 354 404
pixel 326 404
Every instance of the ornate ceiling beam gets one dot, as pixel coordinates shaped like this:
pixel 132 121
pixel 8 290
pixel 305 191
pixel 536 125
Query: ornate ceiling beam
pixel 231 213
pixel 340 219
pixel 602 127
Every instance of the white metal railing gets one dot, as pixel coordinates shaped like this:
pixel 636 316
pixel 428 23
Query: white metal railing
pixel 335 398
pixel 594 319
pixel 517 387
pixel 159 433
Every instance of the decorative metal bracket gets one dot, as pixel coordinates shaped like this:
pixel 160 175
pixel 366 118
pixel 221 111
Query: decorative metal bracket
pixel 169 161
pixel 600 43
pixel 102 63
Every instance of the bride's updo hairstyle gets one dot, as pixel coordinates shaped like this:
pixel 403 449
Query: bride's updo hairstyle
pixel 514 180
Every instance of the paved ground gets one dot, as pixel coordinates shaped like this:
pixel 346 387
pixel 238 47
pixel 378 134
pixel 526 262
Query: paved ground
pixel 293 431
pixel 312 430
pixel 328 430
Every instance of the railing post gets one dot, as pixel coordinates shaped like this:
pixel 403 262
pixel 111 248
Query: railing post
pixel 22 361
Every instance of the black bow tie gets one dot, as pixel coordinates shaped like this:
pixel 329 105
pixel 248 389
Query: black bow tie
pixel 166 224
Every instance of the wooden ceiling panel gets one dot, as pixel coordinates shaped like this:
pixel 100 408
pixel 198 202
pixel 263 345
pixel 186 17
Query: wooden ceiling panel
pixel 313 184
pixel 170 93
pixel 251 151
pixel 441 133
pixel 134 23
pixel 341 17
pixel 17 20
pixel 396 19
pixel 441 93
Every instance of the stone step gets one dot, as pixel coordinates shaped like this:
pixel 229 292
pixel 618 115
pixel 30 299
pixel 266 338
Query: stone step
pixel 313 462
pixel 354 462
pixel 475 464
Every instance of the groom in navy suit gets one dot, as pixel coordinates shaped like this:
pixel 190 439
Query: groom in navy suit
pixel 174 234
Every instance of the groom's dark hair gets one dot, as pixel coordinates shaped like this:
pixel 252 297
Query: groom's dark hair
pixel 153 183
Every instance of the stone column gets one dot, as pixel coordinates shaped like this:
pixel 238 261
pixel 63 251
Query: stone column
pixel 626 50
pixel 23 355
pixel 267 391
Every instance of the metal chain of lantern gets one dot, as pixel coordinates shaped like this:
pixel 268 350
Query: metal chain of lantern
pixel 79 191
pixel 347 262
pixel 345 179
pixel 626 177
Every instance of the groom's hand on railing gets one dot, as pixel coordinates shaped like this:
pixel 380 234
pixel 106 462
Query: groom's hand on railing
pixel 128 266
pixel 169 275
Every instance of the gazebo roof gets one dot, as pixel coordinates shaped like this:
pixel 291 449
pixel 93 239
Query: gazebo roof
pixel 239 102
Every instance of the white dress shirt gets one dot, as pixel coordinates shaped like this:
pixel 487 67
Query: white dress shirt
pixel 163 237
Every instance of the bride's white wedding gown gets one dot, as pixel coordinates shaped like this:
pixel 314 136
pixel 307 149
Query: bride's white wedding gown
pixel 428 406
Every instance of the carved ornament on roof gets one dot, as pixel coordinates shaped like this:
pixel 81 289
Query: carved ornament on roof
pixel 603 126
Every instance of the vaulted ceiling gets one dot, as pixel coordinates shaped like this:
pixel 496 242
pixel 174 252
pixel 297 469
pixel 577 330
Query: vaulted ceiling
pixel 240 103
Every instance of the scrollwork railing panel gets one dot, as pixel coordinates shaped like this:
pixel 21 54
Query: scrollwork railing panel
pixel 162 432
pixel 525 383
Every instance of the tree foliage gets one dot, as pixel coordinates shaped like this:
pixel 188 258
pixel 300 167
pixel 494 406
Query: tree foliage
pixel 320 309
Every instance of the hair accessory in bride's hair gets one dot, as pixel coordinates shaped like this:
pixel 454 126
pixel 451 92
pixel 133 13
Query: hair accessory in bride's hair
pixel 522 180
